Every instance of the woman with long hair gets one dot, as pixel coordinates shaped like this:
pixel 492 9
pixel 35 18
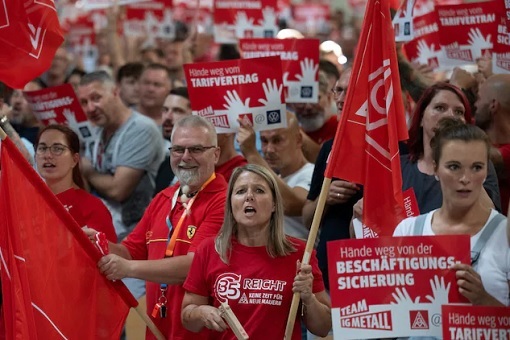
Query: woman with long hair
pixel 251 266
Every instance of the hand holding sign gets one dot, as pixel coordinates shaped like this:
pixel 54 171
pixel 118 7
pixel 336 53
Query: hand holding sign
pixel 273 93
pixel 308 71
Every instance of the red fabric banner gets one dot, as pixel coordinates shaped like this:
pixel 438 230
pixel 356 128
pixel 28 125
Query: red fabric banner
pixel 365 150
pixel 29 35
pixel 51 286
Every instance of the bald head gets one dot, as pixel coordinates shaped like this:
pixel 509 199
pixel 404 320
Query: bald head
pixel 493 101
pixel 282 147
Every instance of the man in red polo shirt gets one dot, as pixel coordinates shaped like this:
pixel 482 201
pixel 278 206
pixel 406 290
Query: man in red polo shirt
pixel 160 248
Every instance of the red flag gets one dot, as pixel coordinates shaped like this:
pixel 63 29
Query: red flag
pixel 51 286
pixel 365 150
pixel 29 35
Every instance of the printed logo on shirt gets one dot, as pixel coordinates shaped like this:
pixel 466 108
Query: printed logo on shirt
pixel 254 291
pixel 191 231
pixel 227 286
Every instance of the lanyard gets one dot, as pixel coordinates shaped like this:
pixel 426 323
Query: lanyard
pixel 175 231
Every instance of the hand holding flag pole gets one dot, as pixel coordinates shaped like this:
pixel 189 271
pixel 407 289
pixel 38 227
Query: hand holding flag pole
pixel 308 252
pixel 372 124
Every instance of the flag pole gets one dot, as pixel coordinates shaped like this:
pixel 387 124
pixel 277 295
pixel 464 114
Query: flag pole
pixel 150 324
pixel 308 252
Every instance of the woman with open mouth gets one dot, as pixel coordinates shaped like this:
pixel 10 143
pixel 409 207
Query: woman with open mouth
pixel 57 158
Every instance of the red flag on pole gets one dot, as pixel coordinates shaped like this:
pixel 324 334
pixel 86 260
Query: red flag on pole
pixel 29 36
pixel 365 149
pixel 51 286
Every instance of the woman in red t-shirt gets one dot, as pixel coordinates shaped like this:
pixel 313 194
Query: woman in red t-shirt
pixel 251 266
pixel 57 159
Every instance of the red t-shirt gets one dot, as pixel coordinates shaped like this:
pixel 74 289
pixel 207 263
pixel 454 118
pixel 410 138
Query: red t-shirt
pixel 504 182
pixel 228 167
pixel 326 132
pixel 258 288
pixel 88 210
pixel 148 241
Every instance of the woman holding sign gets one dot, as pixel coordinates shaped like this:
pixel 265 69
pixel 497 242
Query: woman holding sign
pixel 460 153
pixel 57 157
pixel 251 267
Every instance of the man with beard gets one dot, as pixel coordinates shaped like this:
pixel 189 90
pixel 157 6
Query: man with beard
pixel 161 247
pixel 493 116
pixel 283 155
pixel 175 107
pixel 154 87
pixel 313 119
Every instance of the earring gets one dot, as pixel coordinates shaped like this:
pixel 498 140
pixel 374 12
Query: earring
pixel 437 178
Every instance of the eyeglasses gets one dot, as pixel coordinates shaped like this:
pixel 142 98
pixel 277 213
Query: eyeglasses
pixel 194 150
pixel 55 149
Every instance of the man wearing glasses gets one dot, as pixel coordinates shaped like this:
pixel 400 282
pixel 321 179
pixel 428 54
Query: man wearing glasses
pixel 160 248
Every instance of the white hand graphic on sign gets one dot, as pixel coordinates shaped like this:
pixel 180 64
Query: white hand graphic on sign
pixel 476 38
pixel 235 104
pixel 308 71
pixel 403 299
pixel 167 26
pixel 273 94
pixel 439 291
pixel 81 128
pixel 478 43
pixel 268 18
pixel 243 24
pixel 425 52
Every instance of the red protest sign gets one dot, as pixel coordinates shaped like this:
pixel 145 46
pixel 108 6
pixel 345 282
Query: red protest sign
pixel 501 53
pixel 425 47
pixel 410 203
pixel 467 31
pixel 59 105
pixel 222 91
pixel 234 19
pixel 475 322
pixel 393 286
pixel 300 63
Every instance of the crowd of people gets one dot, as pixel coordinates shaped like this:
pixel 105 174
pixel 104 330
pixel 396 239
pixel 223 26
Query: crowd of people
pixel 189 212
